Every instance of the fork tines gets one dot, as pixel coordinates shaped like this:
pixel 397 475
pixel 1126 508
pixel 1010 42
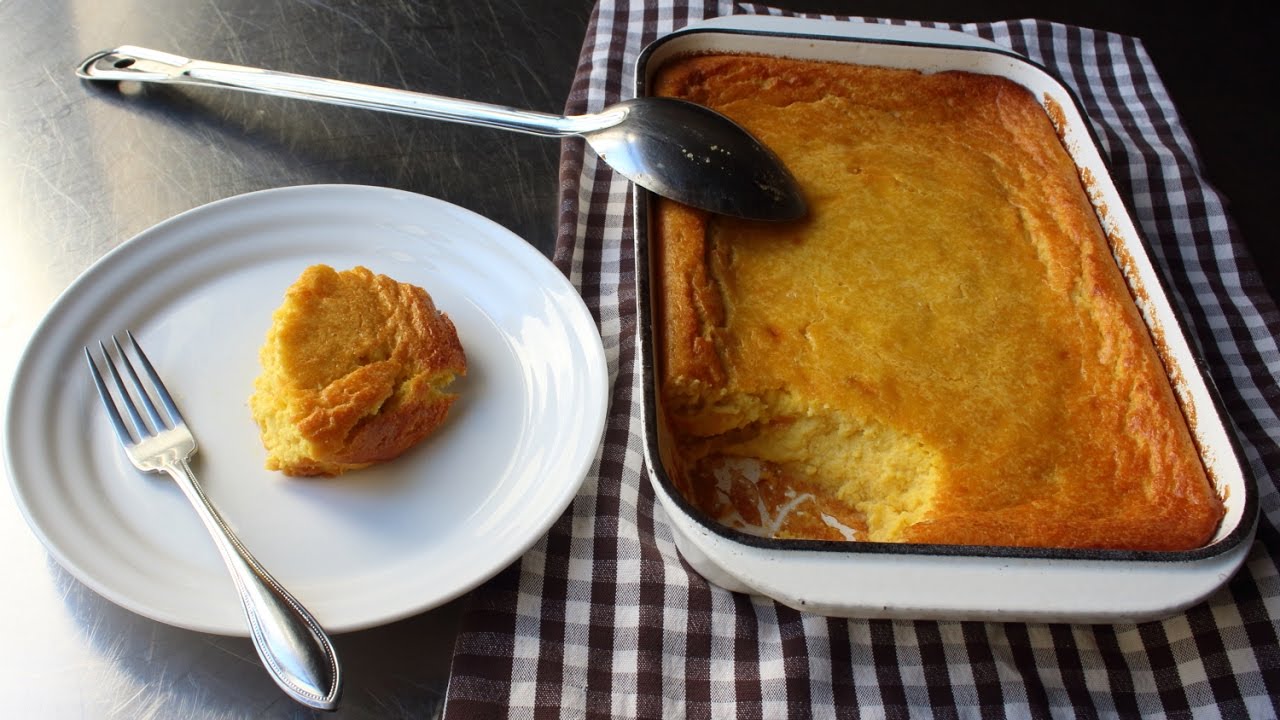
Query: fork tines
pixel 140 390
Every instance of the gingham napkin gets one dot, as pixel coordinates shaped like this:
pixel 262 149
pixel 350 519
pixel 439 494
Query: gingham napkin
pixel 603 619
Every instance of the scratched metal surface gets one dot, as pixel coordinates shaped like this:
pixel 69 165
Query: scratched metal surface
pixel 88 167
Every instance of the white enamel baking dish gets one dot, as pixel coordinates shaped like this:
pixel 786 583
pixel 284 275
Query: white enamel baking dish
pixel 878 580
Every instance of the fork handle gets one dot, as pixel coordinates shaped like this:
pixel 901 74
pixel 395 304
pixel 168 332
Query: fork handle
pixel 294 648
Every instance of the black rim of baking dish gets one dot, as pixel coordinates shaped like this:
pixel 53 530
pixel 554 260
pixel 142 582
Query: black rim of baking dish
pixel 640 211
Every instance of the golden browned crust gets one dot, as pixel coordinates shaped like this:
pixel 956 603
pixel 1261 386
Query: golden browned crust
pixel 945 345
pixel 354 372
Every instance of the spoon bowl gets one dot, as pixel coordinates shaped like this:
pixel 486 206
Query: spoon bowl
pixel 690 153
pixel 673 148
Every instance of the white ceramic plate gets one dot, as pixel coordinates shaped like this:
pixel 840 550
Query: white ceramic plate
pixel 366 548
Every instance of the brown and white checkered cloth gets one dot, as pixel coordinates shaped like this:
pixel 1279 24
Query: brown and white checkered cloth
pixel 601 618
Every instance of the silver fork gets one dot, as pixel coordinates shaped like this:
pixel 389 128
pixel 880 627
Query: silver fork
pixel 294 648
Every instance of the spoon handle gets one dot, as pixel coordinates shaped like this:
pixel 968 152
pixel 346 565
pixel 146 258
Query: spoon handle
pixel 143 65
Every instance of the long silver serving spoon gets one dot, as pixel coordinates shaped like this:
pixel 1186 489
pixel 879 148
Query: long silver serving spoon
pixel 677 149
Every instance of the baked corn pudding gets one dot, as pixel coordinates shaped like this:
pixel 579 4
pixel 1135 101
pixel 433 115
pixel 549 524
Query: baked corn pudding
pixel 355 371
pixel 944 351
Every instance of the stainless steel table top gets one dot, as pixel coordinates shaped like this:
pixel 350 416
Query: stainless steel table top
pixel 90 166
